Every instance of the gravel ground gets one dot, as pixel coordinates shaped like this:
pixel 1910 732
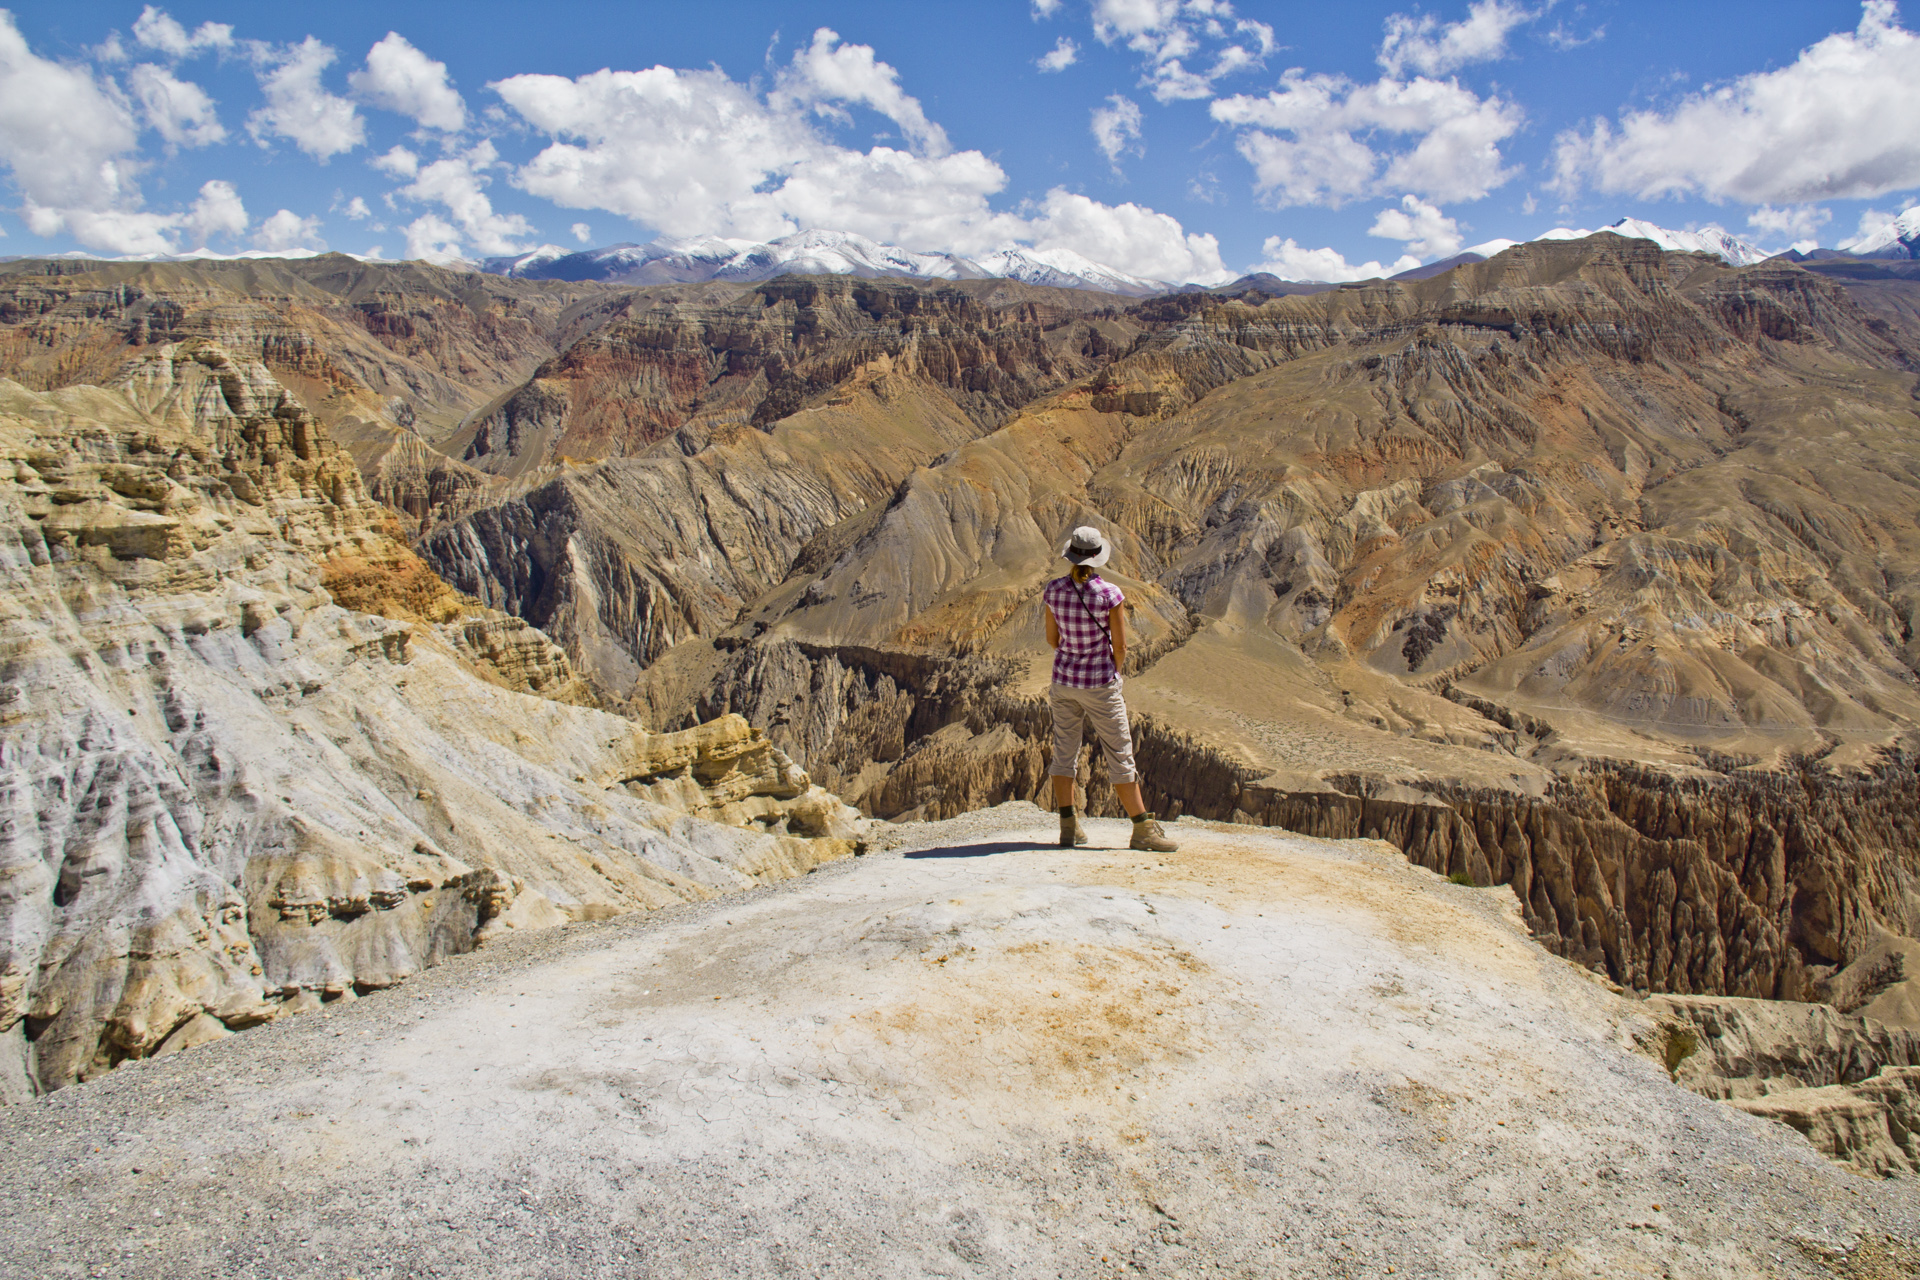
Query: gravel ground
pixel 966 1054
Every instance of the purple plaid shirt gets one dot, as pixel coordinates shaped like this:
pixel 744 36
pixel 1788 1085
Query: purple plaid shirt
pixel 1085 656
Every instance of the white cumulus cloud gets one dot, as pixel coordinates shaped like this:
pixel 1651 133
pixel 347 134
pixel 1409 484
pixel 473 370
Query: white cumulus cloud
pixel 1795 222
pixel 433 239
pixel 299 108
pixel 401 79
pixel 218 211
pixel 398 161
pixel 1427 45
pixel 158 30
pixel 1833 124
pixel 1286 259
pixel 178 110
pixel 827 73
pixel 695 152
pixel 582 232
pixel 1133 238
pixel 686 152
pixel 68 141
pixel 1116 128
pixel 1170 33
pixel 458 183
pixel 1063 55
pixel 1323 139
pixel 1427 231
pixel 287 230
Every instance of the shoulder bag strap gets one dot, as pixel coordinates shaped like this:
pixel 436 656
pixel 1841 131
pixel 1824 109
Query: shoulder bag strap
pixel 1098 621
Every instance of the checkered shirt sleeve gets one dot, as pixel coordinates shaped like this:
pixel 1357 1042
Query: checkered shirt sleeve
pixel 1085 656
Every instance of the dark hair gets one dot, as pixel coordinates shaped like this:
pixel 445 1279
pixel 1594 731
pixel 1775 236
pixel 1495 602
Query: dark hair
pixel 1081 572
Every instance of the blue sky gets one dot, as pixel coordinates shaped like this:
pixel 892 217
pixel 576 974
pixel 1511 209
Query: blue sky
pixel 1176 139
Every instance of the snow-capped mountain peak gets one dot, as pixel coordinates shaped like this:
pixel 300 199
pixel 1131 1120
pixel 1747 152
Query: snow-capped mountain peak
pixel 815 252
pixel 1061 268
pixel 519 262
pixel 1897 239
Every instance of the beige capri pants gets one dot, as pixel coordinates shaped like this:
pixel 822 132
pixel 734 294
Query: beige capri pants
pixel 1073 709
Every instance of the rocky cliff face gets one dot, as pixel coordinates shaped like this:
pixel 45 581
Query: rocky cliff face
pixel 868 381
pixel 226 796
pixel 1850 1084
pixel 696 360
pixel 390 358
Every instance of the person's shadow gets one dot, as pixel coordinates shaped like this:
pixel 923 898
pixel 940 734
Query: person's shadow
pixel 985 850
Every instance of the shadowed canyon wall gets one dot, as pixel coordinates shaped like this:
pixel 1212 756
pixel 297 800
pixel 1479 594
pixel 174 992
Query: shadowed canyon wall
pixel 1742 882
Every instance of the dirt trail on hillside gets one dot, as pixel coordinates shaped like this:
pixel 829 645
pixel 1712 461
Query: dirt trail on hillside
pixel 974 1055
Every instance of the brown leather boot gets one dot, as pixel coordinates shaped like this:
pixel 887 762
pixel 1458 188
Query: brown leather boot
pixel 1071 832
pixel 1149 837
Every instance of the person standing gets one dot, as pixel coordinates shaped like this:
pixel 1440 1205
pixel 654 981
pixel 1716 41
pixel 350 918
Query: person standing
pixel 1087 630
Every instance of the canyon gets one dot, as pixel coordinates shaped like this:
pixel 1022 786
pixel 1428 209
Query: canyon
pixel 1589 570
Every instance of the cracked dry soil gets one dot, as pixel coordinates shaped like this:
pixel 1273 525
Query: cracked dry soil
pixel 972 1055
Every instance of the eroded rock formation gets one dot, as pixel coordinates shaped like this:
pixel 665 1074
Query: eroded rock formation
pixel 224 795
pixel 702 359
pixel 1850 1084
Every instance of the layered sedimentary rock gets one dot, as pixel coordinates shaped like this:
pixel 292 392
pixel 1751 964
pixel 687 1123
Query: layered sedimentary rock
pixel 1590 568
pixel 757 424
pixel 394 345
pixel 226 795
pixel 389 357
pixel 699 359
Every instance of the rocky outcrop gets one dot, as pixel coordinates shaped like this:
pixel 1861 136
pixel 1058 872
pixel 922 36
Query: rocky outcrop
pixel 1873 1125
pixel 224 795
pixel 1753 883
pixel 1850 1084
pixel 1588 569
pixel 757 423
pixel 422 485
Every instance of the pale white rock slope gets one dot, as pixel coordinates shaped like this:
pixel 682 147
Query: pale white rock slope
pixel 1262 1056
pixel 226 796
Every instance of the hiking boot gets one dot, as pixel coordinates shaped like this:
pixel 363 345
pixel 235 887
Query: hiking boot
pixel 1149 837
pixel 1071 832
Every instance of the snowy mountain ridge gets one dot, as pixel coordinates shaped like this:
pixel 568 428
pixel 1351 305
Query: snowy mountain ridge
pixel 822 252
pixel 815 252
pixel 1897 239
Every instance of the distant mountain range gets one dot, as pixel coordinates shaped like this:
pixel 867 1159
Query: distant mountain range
pixel 820 252
pixel 667 261
pixel 823 252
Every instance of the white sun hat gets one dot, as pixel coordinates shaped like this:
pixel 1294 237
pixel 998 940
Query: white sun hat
pixel 1087 546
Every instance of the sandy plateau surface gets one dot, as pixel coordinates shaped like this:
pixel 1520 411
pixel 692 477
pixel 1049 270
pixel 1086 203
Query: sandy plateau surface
pixel 971 1054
